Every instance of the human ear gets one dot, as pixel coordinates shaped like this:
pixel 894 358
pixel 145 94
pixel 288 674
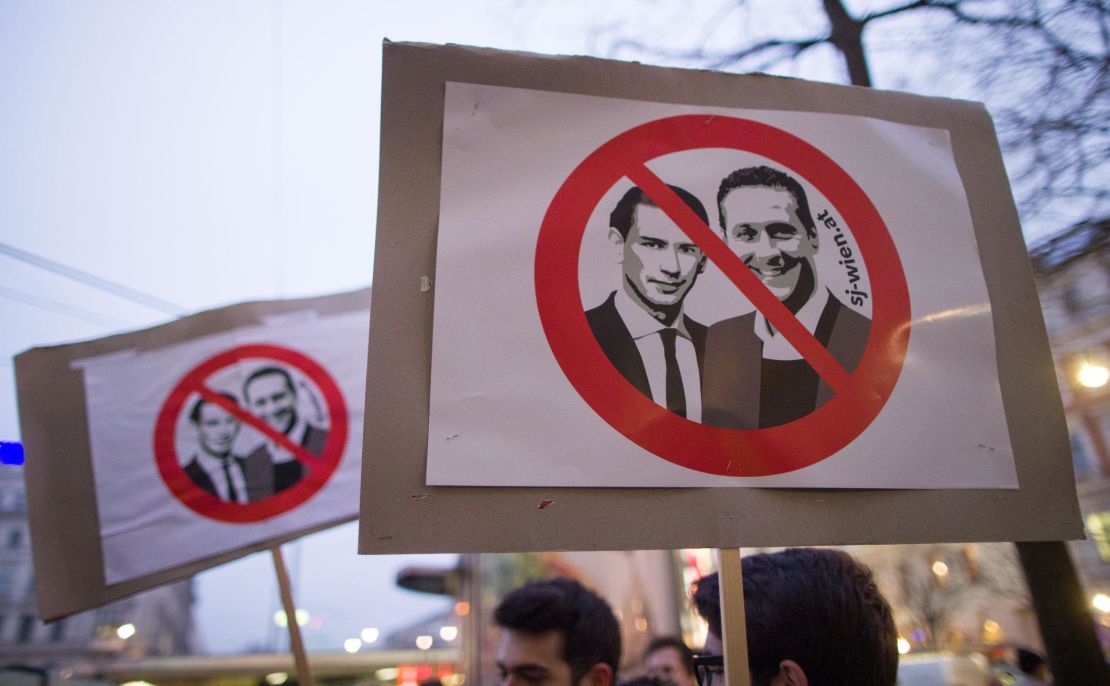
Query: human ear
pixel 790 674
pixel 600 674
pixel 617 240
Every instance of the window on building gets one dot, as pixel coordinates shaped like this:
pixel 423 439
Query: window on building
pixel 57 630
pixel 7 581
pixel 26 628
pixel 1079 458
pixel 15 539
pixel 1073 300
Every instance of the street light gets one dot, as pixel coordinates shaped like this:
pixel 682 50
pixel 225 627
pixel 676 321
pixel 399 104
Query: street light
pixel 126 631
pixel 1092 375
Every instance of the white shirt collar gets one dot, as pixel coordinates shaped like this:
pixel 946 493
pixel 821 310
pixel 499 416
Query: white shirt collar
pixel 775 345
pixel 210 462
pixel 639 321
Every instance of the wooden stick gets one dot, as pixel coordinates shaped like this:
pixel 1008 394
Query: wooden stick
pixel 304 676
pixel 734 634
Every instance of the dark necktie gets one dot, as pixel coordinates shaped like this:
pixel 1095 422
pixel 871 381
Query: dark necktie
pixel 676 396
pixel 232 494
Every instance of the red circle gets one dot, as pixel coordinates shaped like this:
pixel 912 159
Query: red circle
pixel 731 452
pixel 208 505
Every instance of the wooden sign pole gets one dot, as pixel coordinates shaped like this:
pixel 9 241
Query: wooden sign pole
pixel 734 634
pixel 304 676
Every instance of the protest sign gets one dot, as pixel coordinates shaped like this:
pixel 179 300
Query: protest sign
pixel 507 389
pixel 188 444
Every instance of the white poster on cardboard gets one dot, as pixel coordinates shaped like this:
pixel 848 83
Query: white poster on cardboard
pixel 227 440
pixel 640 294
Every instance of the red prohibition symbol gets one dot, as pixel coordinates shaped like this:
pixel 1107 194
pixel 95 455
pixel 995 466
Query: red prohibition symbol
pixel 318 467
pixel 859 396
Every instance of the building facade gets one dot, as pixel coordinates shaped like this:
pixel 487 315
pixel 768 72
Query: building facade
pixel 1072 270
pixel 155 623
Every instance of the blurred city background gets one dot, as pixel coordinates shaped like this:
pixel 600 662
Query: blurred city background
pixel 160 159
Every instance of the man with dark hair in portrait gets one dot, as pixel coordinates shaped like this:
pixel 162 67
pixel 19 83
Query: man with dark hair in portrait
pixel 213 467
pixel 813 616
pixel 669 657
pixel 754 377
pixel 641 326
pixel 269 393
pixel 557 633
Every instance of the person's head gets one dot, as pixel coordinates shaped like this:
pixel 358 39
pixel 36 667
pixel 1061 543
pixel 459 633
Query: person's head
pixel 659 262
pixel 270 394
pixel 812 616
pixel 558 633
pixel 765 219
pixel 216 427
pixel 1031 663
pixel 670 658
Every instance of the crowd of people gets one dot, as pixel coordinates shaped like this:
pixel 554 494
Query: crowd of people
pixel 813 617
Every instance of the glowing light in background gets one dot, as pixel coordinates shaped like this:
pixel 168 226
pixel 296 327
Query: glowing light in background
pixel 1101 602
pixel 940 569
pixel 277 678
pixel 449 633
pixel 301 614
pixel 126 631
pixel 352 645
pixel 424 642
pixel 1092 375
pixel 369 634
pixel 903 646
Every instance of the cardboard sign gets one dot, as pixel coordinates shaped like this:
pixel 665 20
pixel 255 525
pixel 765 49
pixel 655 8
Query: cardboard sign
pixel 835 407
pixel 183 446
pixel 501 375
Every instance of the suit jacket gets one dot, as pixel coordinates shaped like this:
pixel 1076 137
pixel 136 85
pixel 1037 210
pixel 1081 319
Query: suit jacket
pixel 264 481
pixel 201 478
pixel 620 347
pixel 730 387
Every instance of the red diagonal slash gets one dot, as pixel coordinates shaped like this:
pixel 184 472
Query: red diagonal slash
pixel 301 454
pixel 818 357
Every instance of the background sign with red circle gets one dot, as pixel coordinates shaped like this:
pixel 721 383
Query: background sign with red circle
pixel 319 468
pixel 859 396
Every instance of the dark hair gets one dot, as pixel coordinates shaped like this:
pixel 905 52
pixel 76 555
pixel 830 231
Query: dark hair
pixel 265 371
pixel 194 414
pixel 684 652
pixel 1028 661
pixel 621 216
pixel 590 631
pixel 819 608
pixel 772 178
